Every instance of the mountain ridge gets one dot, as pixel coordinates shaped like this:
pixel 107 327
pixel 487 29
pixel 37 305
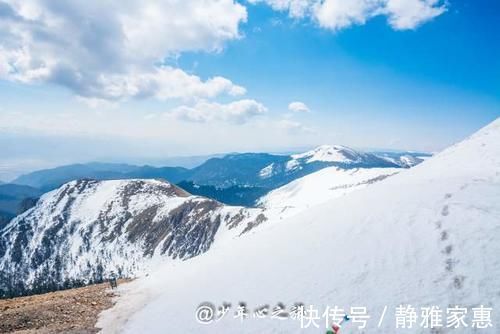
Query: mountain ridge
pixel 49 179
pixel 88 230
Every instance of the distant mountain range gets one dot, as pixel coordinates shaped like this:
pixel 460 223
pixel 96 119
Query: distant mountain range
pixel 243 169
pixel 235 179
pixel 49 179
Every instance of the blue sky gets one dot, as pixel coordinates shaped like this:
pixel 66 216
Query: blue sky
pixel 436 73
pixel 139 85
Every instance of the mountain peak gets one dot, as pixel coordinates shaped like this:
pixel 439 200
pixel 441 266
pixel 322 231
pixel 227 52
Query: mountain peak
pixel 331 153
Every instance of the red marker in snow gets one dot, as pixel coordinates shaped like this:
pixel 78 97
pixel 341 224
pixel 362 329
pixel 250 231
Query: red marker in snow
pixel 336 327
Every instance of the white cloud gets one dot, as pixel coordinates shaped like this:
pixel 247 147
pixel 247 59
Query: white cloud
pixel 339 14
pixel 299 107
pixel 408 14
pixel 163 83
pixel 234 112
pixel 115 49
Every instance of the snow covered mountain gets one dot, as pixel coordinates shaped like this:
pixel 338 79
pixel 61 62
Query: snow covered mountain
pixel 350 170
pixel 272 171
pixel 243 178
pixel 337 154
pixel 422 238
pixel 88 230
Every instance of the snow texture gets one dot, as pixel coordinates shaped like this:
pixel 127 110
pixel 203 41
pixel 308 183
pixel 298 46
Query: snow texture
pixel 426 236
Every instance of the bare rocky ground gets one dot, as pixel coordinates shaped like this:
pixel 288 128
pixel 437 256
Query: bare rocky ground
pixel 72 311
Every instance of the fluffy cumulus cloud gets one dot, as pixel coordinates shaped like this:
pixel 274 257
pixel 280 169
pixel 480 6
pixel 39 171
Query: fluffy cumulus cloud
pixel 234 112
pixel 111 50
pixel 339 14
pixel 163 83
pixel 299 107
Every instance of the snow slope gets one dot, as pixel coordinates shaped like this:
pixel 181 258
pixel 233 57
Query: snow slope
pixel 319 187
pixel 425 237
